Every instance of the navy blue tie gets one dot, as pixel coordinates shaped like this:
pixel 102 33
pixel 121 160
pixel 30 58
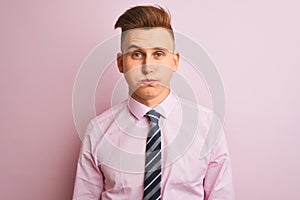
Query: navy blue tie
pixel 152 180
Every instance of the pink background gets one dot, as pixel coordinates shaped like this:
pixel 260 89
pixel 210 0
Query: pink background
pixel 254 43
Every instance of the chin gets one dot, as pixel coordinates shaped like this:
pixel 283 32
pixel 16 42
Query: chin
pixel 147 94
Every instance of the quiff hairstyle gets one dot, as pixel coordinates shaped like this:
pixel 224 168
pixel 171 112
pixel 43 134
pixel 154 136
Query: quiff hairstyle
pixel 145 17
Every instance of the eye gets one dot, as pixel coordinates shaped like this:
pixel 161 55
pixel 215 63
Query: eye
pixel 137 54
pixel 159 54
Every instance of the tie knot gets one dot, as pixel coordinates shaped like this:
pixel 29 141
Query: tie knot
pixel 153 116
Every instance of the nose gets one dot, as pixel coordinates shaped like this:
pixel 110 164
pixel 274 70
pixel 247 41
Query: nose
pixel 147 69
pixel 147 66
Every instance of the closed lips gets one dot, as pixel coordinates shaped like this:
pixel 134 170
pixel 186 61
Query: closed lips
pixel 148 80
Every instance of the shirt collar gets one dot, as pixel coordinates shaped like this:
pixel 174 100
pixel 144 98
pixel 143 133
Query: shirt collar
pixel 164 108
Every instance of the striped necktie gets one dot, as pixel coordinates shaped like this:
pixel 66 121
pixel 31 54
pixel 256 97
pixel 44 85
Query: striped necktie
pixel 152 177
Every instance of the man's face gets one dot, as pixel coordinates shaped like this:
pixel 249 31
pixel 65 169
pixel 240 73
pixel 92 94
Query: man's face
pixel 148 62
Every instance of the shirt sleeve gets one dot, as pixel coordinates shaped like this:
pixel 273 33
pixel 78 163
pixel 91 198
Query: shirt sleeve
pixel 218 184
pixel 89 179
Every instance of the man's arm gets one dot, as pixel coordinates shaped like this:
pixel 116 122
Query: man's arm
pixel 218 183
pixel 89 179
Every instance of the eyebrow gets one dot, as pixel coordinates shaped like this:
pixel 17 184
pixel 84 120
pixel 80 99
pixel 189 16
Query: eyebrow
pixel 138 47
pixel 133 46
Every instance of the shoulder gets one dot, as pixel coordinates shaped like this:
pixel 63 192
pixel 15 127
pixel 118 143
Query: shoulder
pixel 195 112
pixel 110 114
pixel 106 119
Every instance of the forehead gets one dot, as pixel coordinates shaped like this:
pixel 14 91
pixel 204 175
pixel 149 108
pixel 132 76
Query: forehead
pixel 147 38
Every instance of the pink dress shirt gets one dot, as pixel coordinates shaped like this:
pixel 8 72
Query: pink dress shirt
pixel 112 157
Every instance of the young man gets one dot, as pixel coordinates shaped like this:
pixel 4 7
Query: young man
pixel 148 147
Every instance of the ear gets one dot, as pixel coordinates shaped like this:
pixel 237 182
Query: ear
pixel 120 62
pixel 176 57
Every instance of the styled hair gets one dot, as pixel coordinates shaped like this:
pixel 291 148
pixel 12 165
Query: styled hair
pixel 145 17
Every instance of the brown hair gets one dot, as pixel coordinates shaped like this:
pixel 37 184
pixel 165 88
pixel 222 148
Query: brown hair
pixel 144 17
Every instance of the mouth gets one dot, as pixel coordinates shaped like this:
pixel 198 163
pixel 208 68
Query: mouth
pixel 148 81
